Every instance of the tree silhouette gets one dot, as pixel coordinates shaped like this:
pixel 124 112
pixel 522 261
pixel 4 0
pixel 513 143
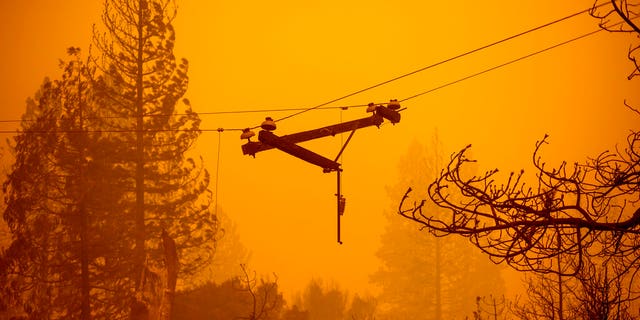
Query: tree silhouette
pixel 5 233
pixel 295 314
pixel 58 265
pixel 571 217
pixel 594 293
pixel 618 16
pixel 323 302
pixel 243 297
pixel 491 308
pixel 362 308
pixel 573 212
pixel 101 170
pixel 212 301
pixel 152 129
pixel 422 276
pixel 265 299
pixel 590 207
pixel 230 252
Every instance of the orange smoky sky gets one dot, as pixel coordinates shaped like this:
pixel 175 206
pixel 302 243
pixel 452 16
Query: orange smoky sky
pixel 255 55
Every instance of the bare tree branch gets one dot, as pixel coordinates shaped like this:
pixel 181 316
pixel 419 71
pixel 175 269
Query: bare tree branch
pixel 591 207
pixel 264 297
pixel 631 108
pixel 619 16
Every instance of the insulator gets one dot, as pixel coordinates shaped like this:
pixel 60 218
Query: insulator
pixel 371 107
pixel 247 134
pixel 393 104
pixel 268 124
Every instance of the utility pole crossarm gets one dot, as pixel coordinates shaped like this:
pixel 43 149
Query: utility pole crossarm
pixel 295 150
pixel 288 143
pixel 252 147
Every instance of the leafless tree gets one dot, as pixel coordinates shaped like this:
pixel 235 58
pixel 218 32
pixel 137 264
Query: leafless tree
pixel 594 293
pixel 578 210
pixel 571 215
pixel 542 300
pixel 264 296
pixel 618 16
pixel 491 308
pixel 602 294
pixel 574 210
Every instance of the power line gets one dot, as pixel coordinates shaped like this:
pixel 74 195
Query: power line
pixel 324 105
pixel 441 62
pixel 342 107
pixel 501 65
pixel 119 131
pixel 402 100
pixel 199 113
pixel 511 62
pixel 217 174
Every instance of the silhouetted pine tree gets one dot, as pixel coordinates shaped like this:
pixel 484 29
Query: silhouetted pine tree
pixel 101 172
pixel 56 266
pixel 323 302
pixel 151 129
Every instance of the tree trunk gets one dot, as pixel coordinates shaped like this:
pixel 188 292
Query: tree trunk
pixel 438 275
pixel 139 173
pixel 85 289
pixel 438 253
pixel 560 296
pixel 171 266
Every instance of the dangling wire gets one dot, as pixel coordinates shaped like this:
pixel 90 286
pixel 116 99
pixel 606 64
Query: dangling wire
pixel 342 134
pixel 341 200
pixel 342 109
pixel 339 184
pixel 215 210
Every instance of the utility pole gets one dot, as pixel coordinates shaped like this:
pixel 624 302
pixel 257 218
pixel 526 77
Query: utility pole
pixel 288 143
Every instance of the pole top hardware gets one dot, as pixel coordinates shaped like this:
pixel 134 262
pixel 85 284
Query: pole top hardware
pixel 393 104
pixel 247 134
pixel 268 124
pixel 288 143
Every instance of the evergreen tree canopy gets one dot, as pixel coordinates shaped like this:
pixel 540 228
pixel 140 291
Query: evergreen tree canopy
pixel 62 257
pixel 152 128
pixel 103 174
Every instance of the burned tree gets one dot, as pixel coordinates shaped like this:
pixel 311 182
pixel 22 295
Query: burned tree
pixel 571 213
pixel 265 298
pixel 618 16
pixel 574 210
pixel 594 293
pixel 576 224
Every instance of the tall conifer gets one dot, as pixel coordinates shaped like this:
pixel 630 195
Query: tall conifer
pixel 154 127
